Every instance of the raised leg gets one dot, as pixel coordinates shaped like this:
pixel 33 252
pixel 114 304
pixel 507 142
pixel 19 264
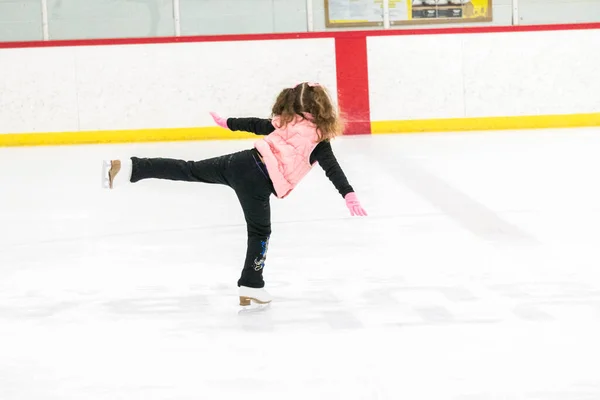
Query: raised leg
pixel 208 171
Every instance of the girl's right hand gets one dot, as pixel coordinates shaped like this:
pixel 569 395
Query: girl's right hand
pixel 222 122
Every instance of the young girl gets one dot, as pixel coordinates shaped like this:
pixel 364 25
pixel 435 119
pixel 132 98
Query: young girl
pixel 298 136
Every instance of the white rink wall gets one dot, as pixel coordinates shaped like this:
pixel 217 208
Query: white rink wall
pixel 175 85
pixel 111 87
pixel 484 75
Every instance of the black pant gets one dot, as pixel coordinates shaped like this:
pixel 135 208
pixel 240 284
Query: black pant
pixel 245 174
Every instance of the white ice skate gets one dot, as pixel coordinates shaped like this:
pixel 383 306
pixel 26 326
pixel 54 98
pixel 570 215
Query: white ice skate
pixel 110 169
pixel 250 295
pixel 459 2
pixel 442 2
pixel 417 3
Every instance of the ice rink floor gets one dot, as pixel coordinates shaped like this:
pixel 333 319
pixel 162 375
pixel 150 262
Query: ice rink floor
pixel 476 276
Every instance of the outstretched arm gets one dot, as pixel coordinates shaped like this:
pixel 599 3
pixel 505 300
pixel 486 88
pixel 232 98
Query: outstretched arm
pixel 258 126
pixel 254 125
pixel 323 154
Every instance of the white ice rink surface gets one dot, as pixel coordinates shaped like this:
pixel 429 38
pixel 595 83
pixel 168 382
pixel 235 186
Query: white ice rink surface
pixel 475 276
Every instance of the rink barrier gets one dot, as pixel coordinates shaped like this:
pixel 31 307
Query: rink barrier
pixel 353 91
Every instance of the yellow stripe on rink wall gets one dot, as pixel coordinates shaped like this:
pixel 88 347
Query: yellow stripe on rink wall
pixel 377 127
pixel 486 123
pixel 121 136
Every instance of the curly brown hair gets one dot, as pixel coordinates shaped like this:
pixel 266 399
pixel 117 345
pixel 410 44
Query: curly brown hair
pixel 312 99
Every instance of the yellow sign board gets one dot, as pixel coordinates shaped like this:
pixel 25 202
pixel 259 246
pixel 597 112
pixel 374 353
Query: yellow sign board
pixel 356 13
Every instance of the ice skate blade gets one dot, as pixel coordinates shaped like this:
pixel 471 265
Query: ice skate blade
pixel 254 308
pixel 246 301
pixel 105 178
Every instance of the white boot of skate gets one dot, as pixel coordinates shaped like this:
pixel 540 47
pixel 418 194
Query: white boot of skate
pixel 110 169
pixel 250 295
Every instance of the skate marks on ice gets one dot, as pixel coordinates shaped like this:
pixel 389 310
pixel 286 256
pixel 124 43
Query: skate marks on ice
pixel 384 304
pixel 414 306
pixel 381 304
pixel 472 215
pixel 578 391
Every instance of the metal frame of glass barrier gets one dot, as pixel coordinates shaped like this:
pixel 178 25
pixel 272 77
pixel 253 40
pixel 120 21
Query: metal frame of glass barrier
pixel 386 17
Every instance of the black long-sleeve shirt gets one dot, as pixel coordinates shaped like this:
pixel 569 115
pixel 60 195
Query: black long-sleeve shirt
pixel 323 153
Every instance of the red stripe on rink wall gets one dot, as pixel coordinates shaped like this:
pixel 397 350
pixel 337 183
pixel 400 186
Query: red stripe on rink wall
pixel 353 83
pixel 299 35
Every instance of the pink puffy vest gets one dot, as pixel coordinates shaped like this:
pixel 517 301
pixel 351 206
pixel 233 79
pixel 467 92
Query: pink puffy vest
pixel 286 153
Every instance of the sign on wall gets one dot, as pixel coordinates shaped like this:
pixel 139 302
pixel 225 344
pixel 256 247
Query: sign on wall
pixel 356 13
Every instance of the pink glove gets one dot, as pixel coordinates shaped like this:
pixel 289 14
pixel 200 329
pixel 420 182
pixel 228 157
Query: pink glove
pixel 222 122
pixel 354 205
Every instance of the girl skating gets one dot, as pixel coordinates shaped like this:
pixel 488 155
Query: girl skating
pixel 304 121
